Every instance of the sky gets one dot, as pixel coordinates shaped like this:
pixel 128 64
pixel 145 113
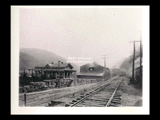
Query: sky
pixel 82 32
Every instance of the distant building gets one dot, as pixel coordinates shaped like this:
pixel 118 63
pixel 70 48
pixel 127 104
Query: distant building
pixel 93 70
pixel 51 71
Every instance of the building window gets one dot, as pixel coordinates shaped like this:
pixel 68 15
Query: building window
pixel 91 68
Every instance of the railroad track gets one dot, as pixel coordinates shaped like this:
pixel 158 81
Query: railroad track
pixel 44 97
pixel 103 96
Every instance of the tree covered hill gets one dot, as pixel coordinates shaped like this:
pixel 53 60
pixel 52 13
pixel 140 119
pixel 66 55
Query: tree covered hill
pixel 127 63
pixel 31 57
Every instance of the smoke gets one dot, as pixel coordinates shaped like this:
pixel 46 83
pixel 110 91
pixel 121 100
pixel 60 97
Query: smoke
pixel 127 63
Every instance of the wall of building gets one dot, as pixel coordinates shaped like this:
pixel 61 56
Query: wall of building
pixel 86 69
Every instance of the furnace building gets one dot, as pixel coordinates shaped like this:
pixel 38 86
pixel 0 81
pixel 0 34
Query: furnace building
pixel 93 70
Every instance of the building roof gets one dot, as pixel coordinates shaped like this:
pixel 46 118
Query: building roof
pixel 55 66
pixel 94 64
pixel 68 69
pixel 91 64
pixel 71 70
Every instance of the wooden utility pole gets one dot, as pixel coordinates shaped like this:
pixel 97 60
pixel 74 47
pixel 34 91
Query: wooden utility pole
pixel 32 74
pixel 140 59
pixel 104 57
pixel 24 91
pixel 59 69
pixel 24 77
pixel 58 73
pixel 132 81
pixel 140 53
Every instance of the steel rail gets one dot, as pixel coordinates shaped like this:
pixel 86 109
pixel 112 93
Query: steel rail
pixel 90 93
pixel 109 102
pixel 36 98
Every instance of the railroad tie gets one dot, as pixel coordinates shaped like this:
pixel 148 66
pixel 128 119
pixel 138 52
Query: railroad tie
pixel 112 104
pixel 49 104
pixel 117 102
pixel 82 96
pixel 116 97
pixel 74 100
pixel 87 94
pixel 67 105
pixel 78 98
pixel 101 100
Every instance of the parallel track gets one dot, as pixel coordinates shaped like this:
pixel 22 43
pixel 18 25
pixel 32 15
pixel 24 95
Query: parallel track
pixel 102 96
pixel 44 97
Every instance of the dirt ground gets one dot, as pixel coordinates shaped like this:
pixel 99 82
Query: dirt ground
pixel 131 94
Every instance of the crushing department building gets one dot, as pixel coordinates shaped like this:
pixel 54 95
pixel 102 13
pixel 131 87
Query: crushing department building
pixel 93 71
pixel 56 70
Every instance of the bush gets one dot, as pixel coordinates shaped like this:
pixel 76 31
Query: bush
pixel 28 88
pixel 34 86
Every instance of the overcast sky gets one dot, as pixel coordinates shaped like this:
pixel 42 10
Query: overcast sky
pixel 81 31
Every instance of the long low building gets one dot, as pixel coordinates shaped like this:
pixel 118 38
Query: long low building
pixel 93 71
pixel 52 71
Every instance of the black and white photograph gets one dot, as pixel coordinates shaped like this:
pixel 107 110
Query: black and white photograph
pixel 79 58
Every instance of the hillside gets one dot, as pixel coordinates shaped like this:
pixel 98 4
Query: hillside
pixel 127 63
pixel 31 57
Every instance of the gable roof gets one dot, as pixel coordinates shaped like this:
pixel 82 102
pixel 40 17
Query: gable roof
pixel 90 64
pixel 62 65
pixel 94 64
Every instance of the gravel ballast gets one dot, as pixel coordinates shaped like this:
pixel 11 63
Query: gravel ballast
pixel 130 95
